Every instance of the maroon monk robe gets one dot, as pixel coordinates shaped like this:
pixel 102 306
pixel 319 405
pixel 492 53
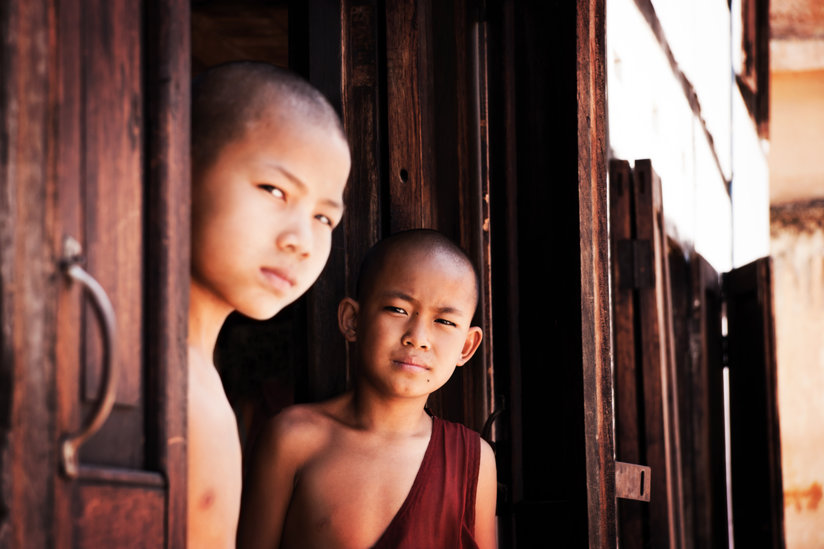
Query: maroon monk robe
pixel 440 508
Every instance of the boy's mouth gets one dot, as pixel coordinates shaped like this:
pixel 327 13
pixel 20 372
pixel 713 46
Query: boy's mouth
pixel 411 364
pixel 278 279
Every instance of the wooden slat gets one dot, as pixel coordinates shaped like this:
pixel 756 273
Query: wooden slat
pixel 27 276
pixel 690 394
pixel 113 215
pixel 409 131
pixel 658 363
pixel 362 90
pixel 596 338
pixel 167 251
pixel 757 494
pixel 706 413
pixel 628 442
pixel 70 219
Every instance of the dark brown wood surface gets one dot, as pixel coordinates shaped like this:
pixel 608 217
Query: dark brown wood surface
pixel 632 516
pixel 594 260
pixel 112 209
pixel 755 446
pixel 703 413
pixel 167 251
pixel 409 96
pixel 27 289
pixel 127 517
pixel 75 163
pixel 658 367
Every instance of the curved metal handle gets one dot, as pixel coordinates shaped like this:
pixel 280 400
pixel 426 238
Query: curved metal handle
pixel 71 444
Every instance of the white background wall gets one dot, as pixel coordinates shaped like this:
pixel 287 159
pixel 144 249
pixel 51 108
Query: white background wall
pixel 650 117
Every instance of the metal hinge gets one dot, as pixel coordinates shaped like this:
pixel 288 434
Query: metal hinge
pixel 635 267
pixel 632 481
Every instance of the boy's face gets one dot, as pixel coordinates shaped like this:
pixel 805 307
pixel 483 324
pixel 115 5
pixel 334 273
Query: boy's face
pixel 263 214
pixel 413 325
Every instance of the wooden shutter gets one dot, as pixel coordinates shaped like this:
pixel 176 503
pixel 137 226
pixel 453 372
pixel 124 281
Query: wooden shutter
pixel 757 493
pixel 646 399
pixel 105 92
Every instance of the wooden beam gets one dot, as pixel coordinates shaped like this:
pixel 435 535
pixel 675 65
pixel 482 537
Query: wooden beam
pixel 594 244
pixel 167 249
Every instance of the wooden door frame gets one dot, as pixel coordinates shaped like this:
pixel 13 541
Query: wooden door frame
pixel 596 329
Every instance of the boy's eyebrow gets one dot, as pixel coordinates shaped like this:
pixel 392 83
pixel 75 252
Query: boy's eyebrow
pixel 410 299
pixel 300 184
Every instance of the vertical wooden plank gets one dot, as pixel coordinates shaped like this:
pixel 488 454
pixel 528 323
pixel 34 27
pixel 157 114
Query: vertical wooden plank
pixel 408 98
pixel 27 273
pixel 70 307
pixel 361 97
pixel 476 231
pixel 757 493
pixel 632 515
pixel 594 249
pixel 689 396
pixel 706 414
pixel 660 395
pixel 113 214
pixel 167 251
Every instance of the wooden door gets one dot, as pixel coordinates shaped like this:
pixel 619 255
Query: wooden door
pixel 755 441
pixel 671 354
pixel 95 110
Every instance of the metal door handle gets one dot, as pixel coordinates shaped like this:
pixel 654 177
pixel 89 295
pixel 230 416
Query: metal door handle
pixel 70 444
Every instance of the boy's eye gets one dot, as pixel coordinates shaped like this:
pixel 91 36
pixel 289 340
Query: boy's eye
pixel 325 220
pixel 393 309
pixel 445 322
pixel 274 191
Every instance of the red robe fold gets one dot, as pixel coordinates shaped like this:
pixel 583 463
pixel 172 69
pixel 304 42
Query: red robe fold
pixel 440 508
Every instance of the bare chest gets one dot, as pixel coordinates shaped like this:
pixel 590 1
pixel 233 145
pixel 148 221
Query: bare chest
pixel 348 496
pixel 214 458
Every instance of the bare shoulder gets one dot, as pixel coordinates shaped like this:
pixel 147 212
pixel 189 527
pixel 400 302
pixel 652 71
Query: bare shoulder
pixel 296 434
pixel 286 443
pixel 300 424
pixel 487 456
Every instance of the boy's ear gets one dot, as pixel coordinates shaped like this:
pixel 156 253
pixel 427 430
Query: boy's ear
pixel 473 340
pixel 348 318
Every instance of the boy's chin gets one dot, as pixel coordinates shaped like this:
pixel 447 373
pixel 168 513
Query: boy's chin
pixel 262 312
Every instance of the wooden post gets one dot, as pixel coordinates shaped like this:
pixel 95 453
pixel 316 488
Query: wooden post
pixel 595 305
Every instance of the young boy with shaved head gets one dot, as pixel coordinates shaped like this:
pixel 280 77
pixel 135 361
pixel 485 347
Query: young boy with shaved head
pixel 269 166
pixel 372 467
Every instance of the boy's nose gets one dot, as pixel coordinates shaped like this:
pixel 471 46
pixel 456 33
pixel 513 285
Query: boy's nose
pixel 295 237
pixel 415 336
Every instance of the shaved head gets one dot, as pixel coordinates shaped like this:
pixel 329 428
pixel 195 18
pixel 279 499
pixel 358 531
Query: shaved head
pixel 426 241
pixel 229 99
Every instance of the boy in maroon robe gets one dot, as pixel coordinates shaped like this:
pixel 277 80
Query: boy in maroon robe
pixel 372 468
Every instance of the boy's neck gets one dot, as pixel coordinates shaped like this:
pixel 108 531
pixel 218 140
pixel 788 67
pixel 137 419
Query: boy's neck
pixel 206 317
pixel 398 416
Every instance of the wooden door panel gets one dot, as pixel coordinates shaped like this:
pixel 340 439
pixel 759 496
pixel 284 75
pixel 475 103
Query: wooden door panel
pixel 102 67
pixel 632 516
pixel 81 161
pixel 755 443
pixel 646 376
pixel 115 514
